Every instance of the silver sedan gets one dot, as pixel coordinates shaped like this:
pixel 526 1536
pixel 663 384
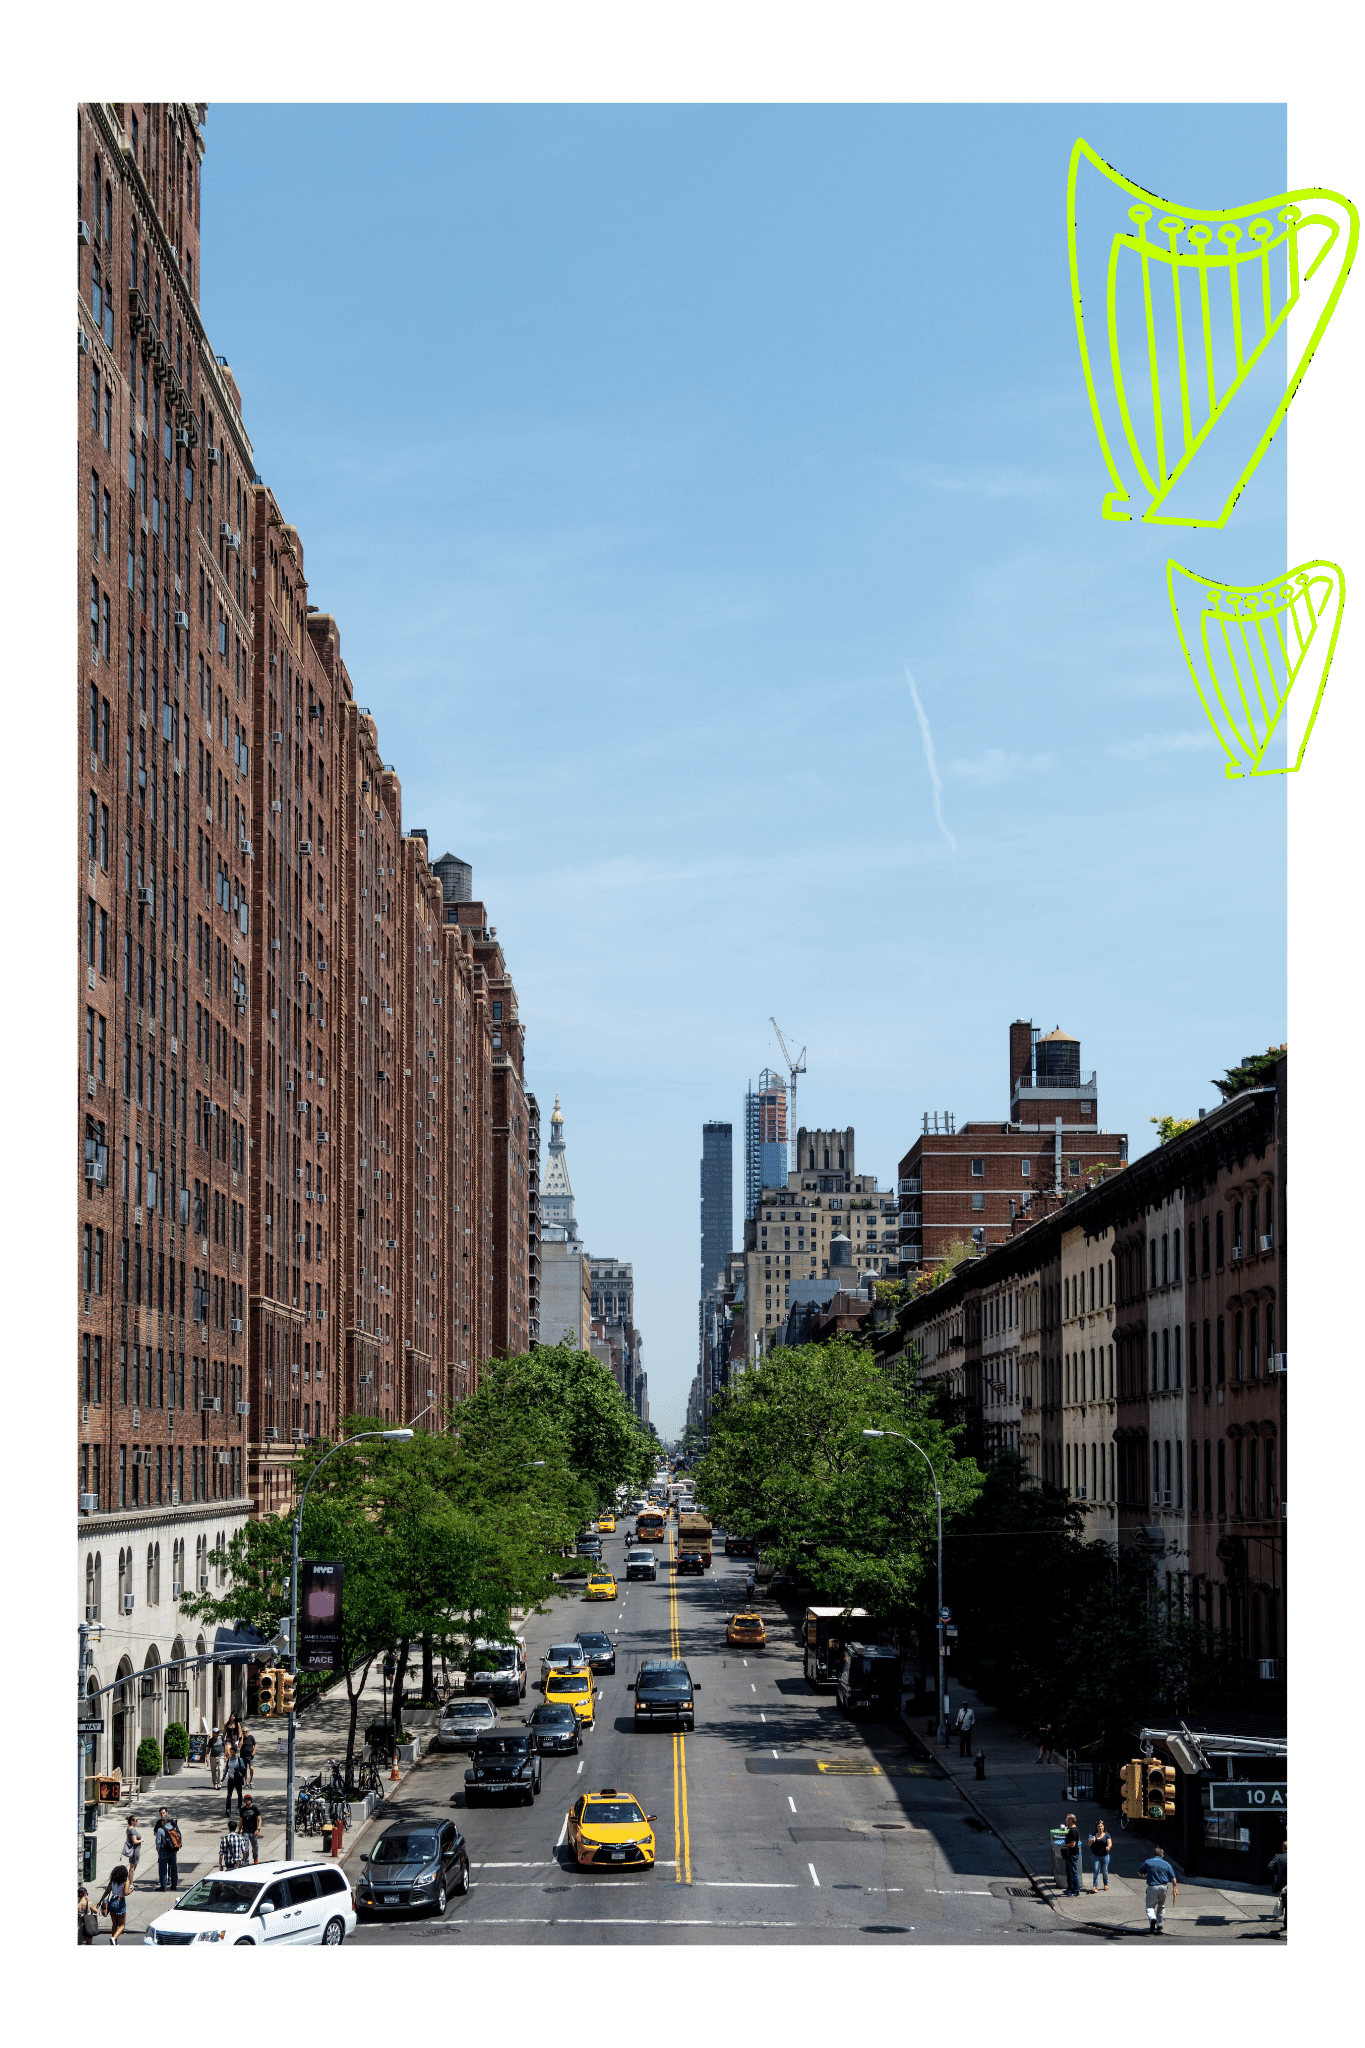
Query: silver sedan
pixel 462 1722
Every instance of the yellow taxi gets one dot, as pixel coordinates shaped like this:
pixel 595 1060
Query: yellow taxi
pixel 600 1586
pixel 574 1689
pixel 610 1830
pixel 746 1632
pixel 606 1525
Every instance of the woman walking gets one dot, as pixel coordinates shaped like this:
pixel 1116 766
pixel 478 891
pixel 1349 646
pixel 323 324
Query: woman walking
pixel 132 1848
pixel 1045 1755
pixel 87 1919
pixel 232 1727
pixel 114 1902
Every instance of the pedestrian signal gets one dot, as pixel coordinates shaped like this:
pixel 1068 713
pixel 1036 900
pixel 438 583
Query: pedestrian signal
pixel 1130 1779
pixel 1161 1792
pixel 266 1697
pixel 286 1693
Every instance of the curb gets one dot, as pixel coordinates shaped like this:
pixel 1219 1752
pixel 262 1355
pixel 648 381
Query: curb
pixel 1036 1880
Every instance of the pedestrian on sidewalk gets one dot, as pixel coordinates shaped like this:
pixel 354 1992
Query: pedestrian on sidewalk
pixel 168 1841
pixel 1279 1877
pixel 232 1849
pixel 114 1902
pixel 248 1753
pixel 250 1817
pixel 87 1919
pixel 1101 1848
pixel 1071 1857
pixel 1045 1755
pixel 966 1721
pixel 236 1782
pixel 1160 1879
pixel 132 1848
pixel 216 1747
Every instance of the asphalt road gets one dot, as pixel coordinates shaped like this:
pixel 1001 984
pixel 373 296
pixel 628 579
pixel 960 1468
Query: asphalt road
pixel 777 1821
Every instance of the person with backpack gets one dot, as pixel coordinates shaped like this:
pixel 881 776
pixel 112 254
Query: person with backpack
pixel 236 1782
pixel 215 1752
pixel 250 1817
pixel 87 1919
pixel 168 1844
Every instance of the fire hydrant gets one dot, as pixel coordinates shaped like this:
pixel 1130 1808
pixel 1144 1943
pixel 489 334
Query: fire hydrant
pixel 981 1763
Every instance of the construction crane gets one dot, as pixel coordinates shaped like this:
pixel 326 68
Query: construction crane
pixel 794 1066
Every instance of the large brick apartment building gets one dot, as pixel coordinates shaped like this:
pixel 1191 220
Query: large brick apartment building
pixel 309 1164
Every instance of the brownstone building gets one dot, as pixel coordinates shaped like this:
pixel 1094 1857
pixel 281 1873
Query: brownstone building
pixel 508 1187
pixel 164 719
pixel 969 1184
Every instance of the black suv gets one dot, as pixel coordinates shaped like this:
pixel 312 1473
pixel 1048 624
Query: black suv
pixel 414 1866
pixel 599 1651
pixel 664 1692
pixel 503 1765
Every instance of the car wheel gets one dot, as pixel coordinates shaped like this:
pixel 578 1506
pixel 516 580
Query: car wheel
pixel 441 1900
pixel 535 1787
pixel 462 1888
pixel 244 1941
pixel 333 1934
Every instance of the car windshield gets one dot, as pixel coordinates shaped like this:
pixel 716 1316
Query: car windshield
pixel 506 1659
pixel 552 1717
pixel 641 1557
pixel 569 1681
pixel 670 1684
pixel 218 1895
pixel 468 1710
pixel 501 1745
pixel 588 1641
pixel 611 1813
pixel 747 1621
pixel 566 1653
pixel 404 1845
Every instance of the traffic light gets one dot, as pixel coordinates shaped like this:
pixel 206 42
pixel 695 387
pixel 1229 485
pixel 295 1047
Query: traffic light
pixel 265 1692
pixel 286 1693
pixel 1160 1803
pixel 1130 1780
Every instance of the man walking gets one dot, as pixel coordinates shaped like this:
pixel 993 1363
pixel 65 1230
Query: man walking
pixel 1071 1857
pixel 1160 1879
pixel 966 1721
pixel 167 1850
pixel 216 1758
pixel 251 1826
pixel 248 1748
pixel 236 1782
pixel 232 1849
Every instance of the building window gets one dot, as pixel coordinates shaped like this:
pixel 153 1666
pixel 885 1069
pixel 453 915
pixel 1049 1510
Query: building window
pixel 1073 1167
pixel 978 1201
pixel 1222 1477
pixel 1175 1362
pixel 1026 1167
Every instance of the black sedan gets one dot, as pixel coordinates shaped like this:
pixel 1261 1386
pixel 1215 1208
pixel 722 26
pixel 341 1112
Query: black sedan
pixel 599 1650
pixel 555 1731
pixel 415 1866
pixel 504 1766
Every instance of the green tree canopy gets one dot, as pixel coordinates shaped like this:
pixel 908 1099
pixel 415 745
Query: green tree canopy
pixel 789 1464
pixel 1257 1070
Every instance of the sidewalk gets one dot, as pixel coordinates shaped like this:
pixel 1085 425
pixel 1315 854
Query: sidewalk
pixel 191 1798
pixel 1022 1800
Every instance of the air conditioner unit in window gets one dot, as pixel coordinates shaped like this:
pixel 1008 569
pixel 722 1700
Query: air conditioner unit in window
pixel 213 454
pixel 244 1407
pixel 89 1505
pixel 82 342
pixel 275 804
pixel 128 1603
pixel 296 1436
pixel 271 1434
pixel 237 1330
pixel 1278 1362
pixel 92 1614
pixel 85 1411
pixel 305 846
pixel 83 233
pixel 224 530
pixel 364 1379
pixel 182 620
pixel 182 439
pixel 210 1404
pixel 175 1496
pixel 203 1582
pixel 1267 1242
pixel 224 1457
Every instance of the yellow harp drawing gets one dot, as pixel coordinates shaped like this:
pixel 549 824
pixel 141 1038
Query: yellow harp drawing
pixel 1195 297
pixel 1247 647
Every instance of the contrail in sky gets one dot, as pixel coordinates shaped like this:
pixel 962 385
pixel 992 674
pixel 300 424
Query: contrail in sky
pixel 930 762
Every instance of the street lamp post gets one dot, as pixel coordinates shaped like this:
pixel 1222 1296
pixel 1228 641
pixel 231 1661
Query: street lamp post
pixel 938 1509
pixel 400 1436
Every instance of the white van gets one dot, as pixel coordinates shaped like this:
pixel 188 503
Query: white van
pixel 263 1905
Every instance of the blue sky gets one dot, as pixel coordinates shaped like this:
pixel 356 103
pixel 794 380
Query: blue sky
pixel 641 453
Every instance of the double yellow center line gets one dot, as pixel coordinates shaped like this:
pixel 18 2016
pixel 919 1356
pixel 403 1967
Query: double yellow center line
pixel 682 1841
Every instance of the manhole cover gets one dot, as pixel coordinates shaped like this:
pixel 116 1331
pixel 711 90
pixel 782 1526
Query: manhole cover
pixel 878 1927
pixel 556 1887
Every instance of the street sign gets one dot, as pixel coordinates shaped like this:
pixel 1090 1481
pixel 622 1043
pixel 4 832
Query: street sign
pixel 320 1621
pixel 945 1613
pixel 1230 1795
pixel 85 1727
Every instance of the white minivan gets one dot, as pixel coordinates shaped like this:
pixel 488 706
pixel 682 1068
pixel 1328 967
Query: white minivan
pixel 265 1905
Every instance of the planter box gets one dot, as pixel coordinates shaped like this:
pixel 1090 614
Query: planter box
pixel 408 1752
pixel 145 1786
pixel 174 1766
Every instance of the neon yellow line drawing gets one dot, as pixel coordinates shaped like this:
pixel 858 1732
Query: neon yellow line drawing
pixel 1194 299
pixel 1247 646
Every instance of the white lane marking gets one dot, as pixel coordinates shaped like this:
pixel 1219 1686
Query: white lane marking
pixel 945 1892
pixel 752 1686
pixel 745 1663
pixel 565 1828
pixel 774 1752
pixel 744 1884
pixel 593 1920
pixel 579 1771
pixel 762 1717
pixel 791 1802
pixel 542 1863
pixel 813 1878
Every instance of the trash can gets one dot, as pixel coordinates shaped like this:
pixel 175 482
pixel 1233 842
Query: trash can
pixel 327 1841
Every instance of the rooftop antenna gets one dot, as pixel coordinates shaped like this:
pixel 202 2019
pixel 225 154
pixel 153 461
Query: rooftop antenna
pixel 795 1066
